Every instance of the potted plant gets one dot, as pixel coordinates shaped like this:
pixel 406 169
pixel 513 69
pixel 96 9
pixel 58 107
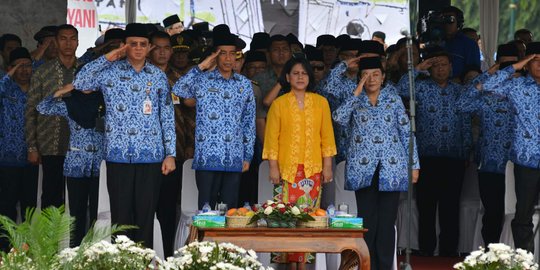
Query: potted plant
pixel 280 215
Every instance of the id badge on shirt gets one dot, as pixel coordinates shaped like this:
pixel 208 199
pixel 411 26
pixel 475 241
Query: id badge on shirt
pixel 175 99
pixel 147 106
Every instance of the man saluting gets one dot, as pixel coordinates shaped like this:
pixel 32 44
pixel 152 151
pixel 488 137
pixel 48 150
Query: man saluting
pixel 139 130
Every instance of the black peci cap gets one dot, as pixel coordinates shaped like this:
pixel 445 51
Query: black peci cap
pixel 136 30
pixel 19 53
pixel 169 21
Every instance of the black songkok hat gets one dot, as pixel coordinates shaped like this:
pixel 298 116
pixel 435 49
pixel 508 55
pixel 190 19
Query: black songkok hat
pixel 137 30
pixel 353 44
pixel 371 46
pixel 369 63
pixel 151 28
pixel 313 54
pixel 181 42
pixel 221 36
pixel 434 51
pixel 508 49
pixel 240 43
pixel 202 28
pixel 326 40
pixel 255 56
pixel 46 31
pixel 342 39
pixel 169 21
pixel 261 40
pixel 294 40
pixel 533 48
pixel 115 33
pixel 19 53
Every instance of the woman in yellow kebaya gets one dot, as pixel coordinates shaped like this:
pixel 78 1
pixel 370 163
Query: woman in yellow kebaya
pixel 299 143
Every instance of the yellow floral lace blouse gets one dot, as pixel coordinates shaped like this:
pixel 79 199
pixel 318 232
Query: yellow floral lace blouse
pixel 295 136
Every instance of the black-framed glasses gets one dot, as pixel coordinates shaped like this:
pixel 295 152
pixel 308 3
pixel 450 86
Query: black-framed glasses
pixel 318 67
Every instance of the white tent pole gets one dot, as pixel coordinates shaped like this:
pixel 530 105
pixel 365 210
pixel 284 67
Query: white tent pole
pixel 131 11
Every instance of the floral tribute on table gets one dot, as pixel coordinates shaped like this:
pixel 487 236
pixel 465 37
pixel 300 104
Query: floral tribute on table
pixel 211 255
pixel 281 215
pixel 499 256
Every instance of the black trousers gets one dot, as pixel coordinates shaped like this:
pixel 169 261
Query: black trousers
pixel 249 184
pixel 53 181
pixel 17 184
pixel 439 186
pixel 527 187
pixel 171 187
pixel 134 193
pixel 492 188
pixel 379 211
pixel 83 199
pixel 218 187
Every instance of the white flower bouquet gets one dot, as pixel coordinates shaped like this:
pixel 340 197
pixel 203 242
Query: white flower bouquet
pixel 122 254
pixel 280 214
pixel 499 257
pixel 212 256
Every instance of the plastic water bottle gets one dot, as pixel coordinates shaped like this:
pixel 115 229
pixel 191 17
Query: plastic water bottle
pixel 206 207
pixel 247 206
pixel 331 210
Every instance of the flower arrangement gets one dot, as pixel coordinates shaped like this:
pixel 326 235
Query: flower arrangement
pixel 499 256
pixel 122 254
pixel 280 214
pixel 214 256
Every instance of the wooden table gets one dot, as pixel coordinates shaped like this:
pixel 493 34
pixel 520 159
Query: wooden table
pixel 349 242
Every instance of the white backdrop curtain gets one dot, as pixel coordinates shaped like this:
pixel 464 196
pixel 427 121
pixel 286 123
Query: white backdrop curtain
pixel 489 28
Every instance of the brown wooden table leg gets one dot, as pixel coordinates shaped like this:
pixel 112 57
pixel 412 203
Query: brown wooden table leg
pixel 193 234
pixel 359 257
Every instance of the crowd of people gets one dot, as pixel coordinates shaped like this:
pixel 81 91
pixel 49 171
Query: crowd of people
pixel 147 98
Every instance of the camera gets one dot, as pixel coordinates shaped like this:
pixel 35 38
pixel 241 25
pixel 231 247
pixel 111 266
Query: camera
pixel 431 27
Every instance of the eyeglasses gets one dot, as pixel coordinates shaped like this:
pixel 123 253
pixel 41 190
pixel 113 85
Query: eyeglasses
pixel 139 44
pixel 318 68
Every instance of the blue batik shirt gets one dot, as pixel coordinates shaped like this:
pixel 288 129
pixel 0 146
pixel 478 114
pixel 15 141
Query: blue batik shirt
pixel 379 137
pixel 85 151
pixel 337 88
pixel 496 121
pixel 132 136
pixel 225 119
pixel 442 130
pixel 13 148
pixel 523 94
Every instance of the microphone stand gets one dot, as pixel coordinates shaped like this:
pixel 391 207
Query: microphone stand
pixel 412 114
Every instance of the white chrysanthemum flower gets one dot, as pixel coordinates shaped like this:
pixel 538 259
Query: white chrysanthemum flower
pixel 268 210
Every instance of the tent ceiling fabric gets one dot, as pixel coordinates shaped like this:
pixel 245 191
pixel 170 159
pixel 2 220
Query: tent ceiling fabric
pixel 489 27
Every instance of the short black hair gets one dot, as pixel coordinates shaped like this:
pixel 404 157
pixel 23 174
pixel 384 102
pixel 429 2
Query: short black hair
pixel 159 34
pixel 297 59
pixel 9 37
pixel 468 69
pixel 522 31
pixel 277 38
pixel 66 27
pixel 402 42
